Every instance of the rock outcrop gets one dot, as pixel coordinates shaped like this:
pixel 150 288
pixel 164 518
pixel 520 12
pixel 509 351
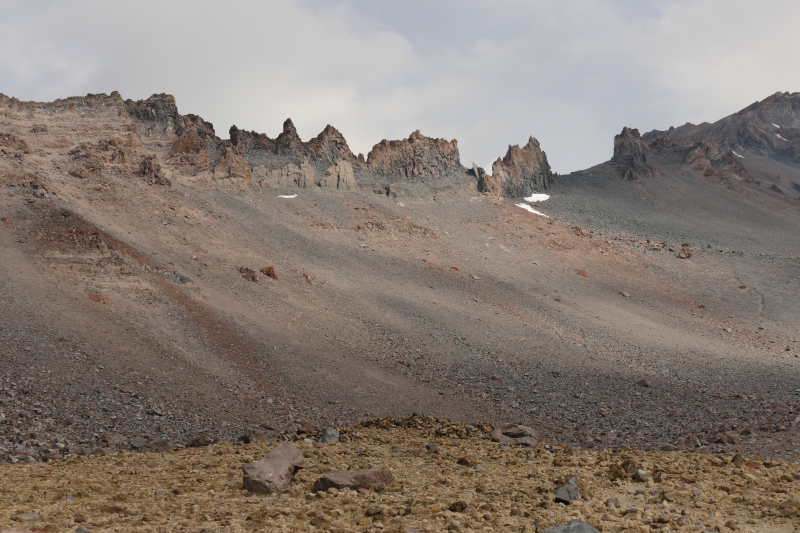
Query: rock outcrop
pixel 515 434
pixel 486 183
pixel 631 155
pixel 709 158
pixel 302 175
pixel 339 176
pixel 521 172
pixel 189 153
pixel 232 164
pixel 416 159
pixel 158 115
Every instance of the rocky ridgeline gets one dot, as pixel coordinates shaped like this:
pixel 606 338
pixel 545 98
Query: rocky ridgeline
pixel 410 475
pixel 416 166
pixel 770 128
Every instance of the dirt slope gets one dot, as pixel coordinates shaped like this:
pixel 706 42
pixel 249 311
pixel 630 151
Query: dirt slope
pixel 133 302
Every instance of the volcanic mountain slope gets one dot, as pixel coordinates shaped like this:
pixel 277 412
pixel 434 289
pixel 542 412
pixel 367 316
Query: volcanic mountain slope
pixel 764 137
pixel 160 281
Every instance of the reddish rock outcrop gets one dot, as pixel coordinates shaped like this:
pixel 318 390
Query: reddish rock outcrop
pixel 631 155
pixel 521 172
pixel 418 158
pixel 189 153
pixel 232 164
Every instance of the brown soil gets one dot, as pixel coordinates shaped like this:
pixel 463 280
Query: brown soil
pixel 468 484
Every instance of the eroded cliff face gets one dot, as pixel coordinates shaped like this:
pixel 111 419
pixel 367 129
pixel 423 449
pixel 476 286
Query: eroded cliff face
pixel 521 172
pixel 631 155
pixel 712 160
pixel 418 158
pixel 164 146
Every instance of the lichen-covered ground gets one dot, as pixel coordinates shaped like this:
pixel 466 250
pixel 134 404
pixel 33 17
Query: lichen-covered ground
pixel 468 484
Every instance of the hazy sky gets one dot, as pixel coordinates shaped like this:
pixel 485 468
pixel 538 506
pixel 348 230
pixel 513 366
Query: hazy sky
pixel 570 72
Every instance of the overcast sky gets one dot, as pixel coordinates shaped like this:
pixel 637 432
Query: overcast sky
pixel 571 73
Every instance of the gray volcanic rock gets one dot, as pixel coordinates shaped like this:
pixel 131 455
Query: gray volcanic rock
pixel 418 158
pixel 158 115
pixel 330 146
pixel 522 171
pixel 274 472
pixel 575 526
pixel 569 492
pixel 631 155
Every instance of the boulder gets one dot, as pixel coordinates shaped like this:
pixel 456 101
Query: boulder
pixel 274 472
pixel 515 434
pixel 329 435
pixel 569 492
pixel 362 479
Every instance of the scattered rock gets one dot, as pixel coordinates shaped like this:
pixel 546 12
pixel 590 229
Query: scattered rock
pixel 569 492
pixel 305 428
pixel 25 517
pixel 642 475
pixel 575 526
pixel 644 383
pixel 329 435
pixel 274 472
pixel 362 479
pixel 458 507
pixel 613 502
pixel 248 273
pixel 515 434
pixel 100 298
pixel 270 272
pixel 200 441
pixel 114 439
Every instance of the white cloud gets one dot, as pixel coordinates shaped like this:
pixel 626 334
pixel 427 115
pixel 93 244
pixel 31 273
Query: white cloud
pixel 490 74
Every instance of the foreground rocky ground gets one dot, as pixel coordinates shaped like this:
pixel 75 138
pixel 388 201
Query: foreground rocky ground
pixel 464 482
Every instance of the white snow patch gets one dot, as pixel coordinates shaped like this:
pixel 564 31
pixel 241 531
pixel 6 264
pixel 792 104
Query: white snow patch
pixel 737 155
pixel 537 198
pixel 526 207
pixel 781 138
pixel 287 196
pixel 776 125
